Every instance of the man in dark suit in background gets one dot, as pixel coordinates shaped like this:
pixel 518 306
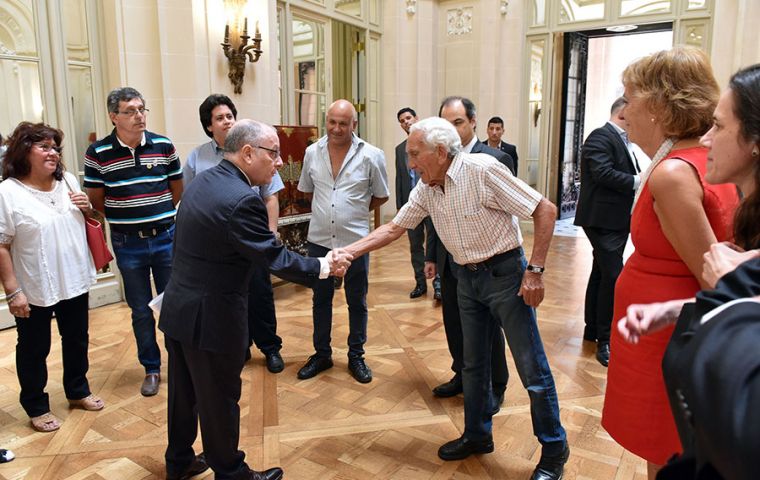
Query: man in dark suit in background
pixel 495 131
pixel 406 179
pixel 222 231
pixel 609 178
pixel 460 112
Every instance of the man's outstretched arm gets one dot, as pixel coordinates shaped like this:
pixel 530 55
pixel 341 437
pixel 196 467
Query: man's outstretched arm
pixel 379 238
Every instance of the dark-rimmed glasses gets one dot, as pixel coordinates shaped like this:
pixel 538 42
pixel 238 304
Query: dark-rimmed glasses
pixel 132 113
pixel 275 151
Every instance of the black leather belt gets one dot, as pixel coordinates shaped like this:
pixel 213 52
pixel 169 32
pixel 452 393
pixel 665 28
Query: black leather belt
pixel 490 262
pixel 149 232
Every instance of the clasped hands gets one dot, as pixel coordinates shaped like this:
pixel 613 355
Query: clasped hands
pixel 339 260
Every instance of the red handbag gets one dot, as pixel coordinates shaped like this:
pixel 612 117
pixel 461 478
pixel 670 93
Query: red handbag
pixel 96 239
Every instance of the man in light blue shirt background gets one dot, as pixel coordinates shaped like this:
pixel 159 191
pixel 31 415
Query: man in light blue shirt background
pixel 346 179
pixel 217 115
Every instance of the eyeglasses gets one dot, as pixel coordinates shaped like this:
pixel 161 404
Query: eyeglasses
pixel 132 113
pixel 275 151
pixel 47 148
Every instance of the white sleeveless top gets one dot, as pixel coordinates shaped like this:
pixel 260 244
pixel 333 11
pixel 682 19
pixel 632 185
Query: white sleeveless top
pixel 48 242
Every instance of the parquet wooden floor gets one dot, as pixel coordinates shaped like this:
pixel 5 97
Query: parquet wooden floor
pixel 331 427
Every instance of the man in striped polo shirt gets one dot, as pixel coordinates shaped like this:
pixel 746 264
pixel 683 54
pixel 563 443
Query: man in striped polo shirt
pixel 134 177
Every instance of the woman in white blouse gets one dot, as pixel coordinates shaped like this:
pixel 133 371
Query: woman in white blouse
pixel 45 267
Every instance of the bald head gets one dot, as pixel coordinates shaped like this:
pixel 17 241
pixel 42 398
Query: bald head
pixel 341 123
pixel 343 107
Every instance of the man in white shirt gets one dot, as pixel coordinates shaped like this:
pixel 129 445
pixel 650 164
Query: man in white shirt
pixel 346 179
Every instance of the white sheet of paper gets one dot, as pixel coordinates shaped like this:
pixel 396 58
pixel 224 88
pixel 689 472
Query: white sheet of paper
pixel 155 304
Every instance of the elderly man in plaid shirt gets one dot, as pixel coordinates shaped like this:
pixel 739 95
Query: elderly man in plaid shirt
pixel 474 202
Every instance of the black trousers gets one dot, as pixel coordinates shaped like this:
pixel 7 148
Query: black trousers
pixel 355 286
pixel 204 385
pixel 262 321
pixel 608 248
pixel 33 348
pixel 417 249
pixel 452 324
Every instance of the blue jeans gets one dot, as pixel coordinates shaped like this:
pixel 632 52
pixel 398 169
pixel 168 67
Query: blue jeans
pixel 136 258
pixel 355 286
pixel 490 294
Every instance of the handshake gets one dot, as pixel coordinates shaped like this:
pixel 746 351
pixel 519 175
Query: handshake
pixel 339 260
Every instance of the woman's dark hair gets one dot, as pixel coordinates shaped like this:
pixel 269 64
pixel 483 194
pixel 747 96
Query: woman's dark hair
pixel 16 162
pixel 208 105
pixel 745 87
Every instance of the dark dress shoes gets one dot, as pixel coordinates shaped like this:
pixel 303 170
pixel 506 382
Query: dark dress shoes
pixel 418 291
pixel 275 364
pixel 603 353
pixel 437 294
pixel 462 448
pixel 271 474
pixel 450 388
pixel 551 467
pixel 150 384
pixel 313 366
pixel 197 467
pixel 359 370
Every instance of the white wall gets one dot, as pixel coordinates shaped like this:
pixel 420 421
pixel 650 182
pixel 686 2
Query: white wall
pixel 170 51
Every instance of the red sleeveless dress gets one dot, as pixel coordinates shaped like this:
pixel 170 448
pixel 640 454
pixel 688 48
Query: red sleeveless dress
pixel 636 408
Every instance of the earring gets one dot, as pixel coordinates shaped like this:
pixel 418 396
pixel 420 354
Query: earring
pixel 651 119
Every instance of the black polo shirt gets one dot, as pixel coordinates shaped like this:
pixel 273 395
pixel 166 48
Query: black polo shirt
pixel 137 194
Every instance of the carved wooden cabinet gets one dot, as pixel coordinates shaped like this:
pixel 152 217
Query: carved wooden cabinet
pixel 295 208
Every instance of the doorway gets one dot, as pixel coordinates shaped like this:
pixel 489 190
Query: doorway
pixel 594 61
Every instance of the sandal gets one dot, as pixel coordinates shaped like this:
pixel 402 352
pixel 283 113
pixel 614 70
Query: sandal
pixel 45 423
pixel 90 402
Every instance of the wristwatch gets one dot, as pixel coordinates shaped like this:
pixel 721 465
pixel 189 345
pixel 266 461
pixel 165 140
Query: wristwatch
pixel 535 269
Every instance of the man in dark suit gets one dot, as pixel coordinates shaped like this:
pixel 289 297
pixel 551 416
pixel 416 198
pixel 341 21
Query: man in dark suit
pixel 495 131
pixel 406 179
pixel 460 112
pixel 609 178
pixel 717 376
pixel 221 233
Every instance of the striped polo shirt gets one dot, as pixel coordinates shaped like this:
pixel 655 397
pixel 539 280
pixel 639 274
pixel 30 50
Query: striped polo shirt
pixel 136 183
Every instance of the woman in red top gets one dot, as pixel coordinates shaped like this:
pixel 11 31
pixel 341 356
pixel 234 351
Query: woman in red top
pixel 676 216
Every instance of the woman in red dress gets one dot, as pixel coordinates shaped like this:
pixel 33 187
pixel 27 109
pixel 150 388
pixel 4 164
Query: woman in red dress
pixel 676 216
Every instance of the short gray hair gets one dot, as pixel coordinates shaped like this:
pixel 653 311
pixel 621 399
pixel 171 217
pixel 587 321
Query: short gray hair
pixel 244 132
pixel 123 94
pixel 617 105
pixel 437 131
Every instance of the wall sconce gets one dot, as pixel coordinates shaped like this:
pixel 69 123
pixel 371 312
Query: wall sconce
pixel 236 56
pixel 503 6
pixel 411 7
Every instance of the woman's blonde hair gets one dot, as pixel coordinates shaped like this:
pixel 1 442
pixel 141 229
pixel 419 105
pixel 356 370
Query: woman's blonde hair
pixel 678 86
